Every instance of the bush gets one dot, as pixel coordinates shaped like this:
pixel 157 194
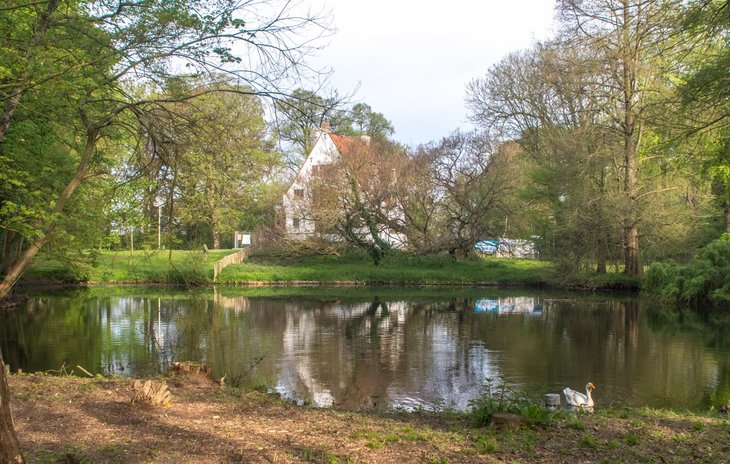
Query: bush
pixel 500 397
pixel 705 279
pixel 191 271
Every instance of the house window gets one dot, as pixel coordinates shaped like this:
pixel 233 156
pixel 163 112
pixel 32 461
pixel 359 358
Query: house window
pixel 299 193
pixel 295 223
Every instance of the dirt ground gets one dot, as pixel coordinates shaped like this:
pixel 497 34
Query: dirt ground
pixel 74 420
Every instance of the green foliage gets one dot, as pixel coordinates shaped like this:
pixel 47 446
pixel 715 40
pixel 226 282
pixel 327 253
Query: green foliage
pixel 362 120
pixel 499 397
pixel 486 444
pixel 181 267
pixel 589 441
pixel 631 439
pixel 84 86
pixel 222 161
pixel 706 278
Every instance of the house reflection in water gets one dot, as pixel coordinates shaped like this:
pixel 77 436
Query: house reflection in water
pixel 510 305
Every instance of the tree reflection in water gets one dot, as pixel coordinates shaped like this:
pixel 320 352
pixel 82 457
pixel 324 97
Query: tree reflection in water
pixel 384 351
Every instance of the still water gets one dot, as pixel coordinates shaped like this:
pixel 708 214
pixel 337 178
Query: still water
pixel 381 348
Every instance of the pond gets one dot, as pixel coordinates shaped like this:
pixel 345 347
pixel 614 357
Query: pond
pixel 385 347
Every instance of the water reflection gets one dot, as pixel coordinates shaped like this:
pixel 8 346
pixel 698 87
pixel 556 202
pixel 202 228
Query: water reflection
pixel 383 350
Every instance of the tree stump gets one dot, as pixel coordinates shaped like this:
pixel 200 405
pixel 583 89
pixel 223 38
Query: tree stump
pixel 151 392
pixel 506 420
pixel 192 368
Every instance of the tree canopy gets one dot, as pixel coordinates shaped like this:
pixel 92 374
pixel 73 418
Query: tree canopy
pixel 92 77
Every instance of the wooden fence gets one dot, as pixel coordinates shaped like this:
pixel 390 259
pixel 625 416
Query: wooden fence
pixel 234 258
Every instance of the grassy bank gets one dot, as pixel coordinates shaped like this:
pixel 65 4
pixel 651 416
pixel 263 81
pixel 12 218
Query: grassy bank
pixel 68 419
pixel 350 267
pixel 397 269
pixel 143 266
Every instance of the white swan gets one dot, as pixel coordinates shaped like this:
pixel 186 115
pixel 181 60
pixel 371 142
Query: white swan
pixel 578 399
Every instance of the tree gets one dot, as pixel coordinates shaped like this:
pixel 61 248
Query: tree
pixel 10 449
pixel 353 198
pixel 547 99
pixel 633 39
pixel 592 96
pixel 95 51
pixel 298 116
pixel 472 180
pixel 222 162
pixel 306 110
pixel 705 90
pixel 362 120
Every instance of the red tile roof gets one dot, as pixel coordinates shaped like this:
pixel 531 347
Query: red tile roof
pixel 346 145
pixel 343 143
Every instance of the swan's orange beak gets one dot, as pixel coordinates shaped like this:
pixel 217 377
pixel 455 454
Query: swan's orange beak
pixel 591 386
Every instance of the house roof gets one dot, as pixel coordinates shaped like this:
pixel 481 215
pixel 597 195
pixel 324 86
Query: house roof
pixel 342 143
pixel 345 144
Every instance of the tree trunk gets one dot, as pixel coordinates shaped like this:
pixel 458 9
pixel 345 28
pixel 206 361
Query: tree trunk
pixel 632 259
pixel 601 260
pixel 631 129
pixel 216 240
pixel 18 267
pixel 726 205
pixel 9 446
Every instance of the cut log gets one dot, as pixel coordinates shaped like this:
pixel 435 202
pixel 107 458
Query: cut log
pixel 151 392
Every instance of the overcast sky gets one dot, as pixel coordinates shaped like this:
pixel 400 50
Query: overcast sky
pixel 412 59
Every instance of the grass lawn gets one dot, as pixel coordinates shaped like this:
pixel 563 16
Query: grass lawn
pixel 143 266
pixel 349 267
pixel 396 269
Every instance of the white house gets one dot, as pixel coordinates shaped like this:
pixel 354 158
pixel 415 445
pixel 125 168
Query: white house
pixel 327 149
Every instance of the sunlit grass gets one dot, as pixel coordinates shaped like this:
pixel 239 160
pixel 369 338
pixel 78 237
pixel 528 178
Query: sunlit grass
pixel 143 266
pixel 399 269
pixel 349 267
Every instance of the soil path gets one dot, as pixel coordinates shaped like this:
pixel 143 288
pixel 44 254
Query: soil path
pixel 73 420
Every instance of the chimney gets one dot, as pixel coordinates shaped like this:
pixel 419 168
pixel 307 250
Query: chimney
pixel 319 131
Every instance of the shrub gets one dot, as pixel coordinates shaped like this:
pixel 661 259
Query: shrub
pixel 500 397
pixel 705 279
pixel 191 271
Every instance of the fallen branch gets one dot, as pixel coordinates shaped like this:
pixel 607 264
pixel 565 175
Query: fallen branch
pixel 85 371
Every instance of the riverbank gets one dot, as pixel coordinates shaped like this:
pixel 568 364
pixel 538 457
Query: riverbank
pixel 349 268
pixel 70 419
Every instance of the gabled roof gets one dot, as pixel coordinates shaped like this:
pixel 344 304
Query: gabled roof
pixel 345 144
pixel 342 143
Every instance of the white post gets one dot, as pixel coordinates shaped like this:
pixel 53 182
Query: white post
pixel 159 227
